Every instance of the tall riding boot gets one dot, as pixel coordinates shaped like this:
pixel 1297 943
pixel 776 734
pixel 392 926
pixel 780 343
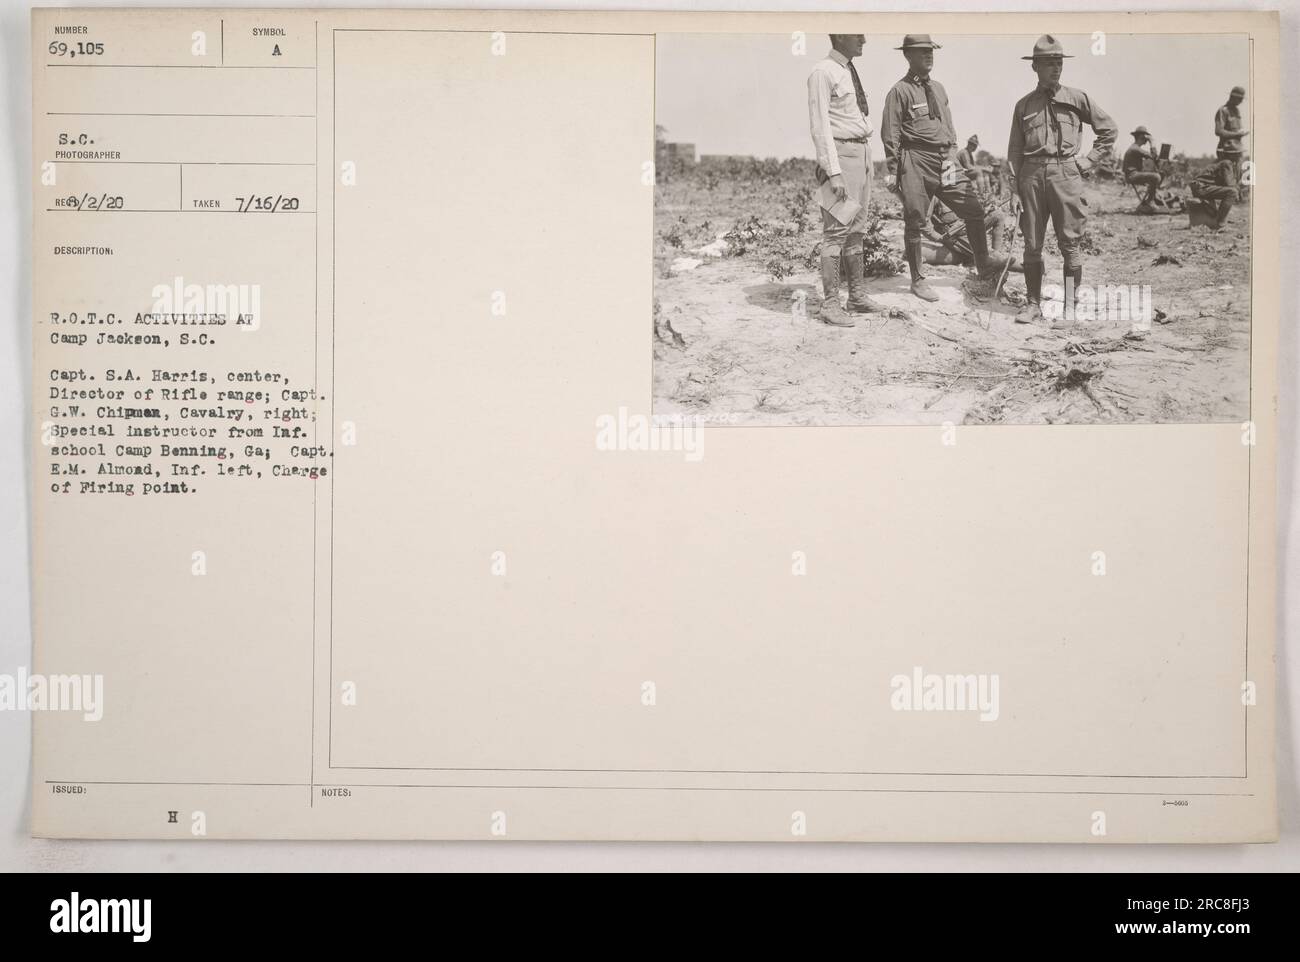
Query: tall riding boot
pixel 831 312
pixel 920 286
pixel 1032 311
pixel 994 228
pixel 1072 280
pixel 859 302
pixel 911 254
pixel 987 267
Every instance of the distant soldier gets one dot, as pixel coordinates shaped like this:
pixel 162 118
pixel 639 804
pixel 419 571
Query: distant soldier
pixel 919 139
pixel 1216 188
pixel 966 156
pixel 948 231
pixel 1227 124
pixel 841 134
pixel 1046 131
pixel 996 185
pixel 1228 128
pixel 1140 168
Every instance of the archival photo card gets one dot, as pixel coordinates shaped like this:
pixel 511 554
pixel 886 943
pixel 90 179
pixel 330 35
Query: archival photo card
pixel 419 409
pixel 1042 234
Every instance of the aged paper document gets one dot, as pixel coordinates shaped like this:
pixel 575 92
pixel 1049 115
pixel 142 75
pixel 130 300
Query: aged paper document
pixel 473 425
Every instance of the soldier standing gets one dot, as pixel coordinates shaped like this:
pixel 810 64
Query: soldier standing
pixel 1228 128
pixel 841 134
pixel 919 139
pixel 1046 131
pixel 1227 125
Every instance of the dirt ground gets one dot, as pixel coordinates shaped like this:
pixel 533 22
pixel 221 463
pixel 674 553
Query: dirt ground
pixel 734 344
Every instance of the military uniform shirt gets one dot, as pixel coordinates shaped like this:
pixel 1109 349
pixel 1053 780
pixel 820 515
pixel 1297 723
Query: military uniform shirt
pixel 1228 118
pixel 1136 158
pixel 1217 174
pixel 1050 124
pixel 907 121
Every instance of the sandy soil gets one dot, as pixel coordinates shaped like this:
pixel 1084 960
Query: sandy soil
pixel 733 344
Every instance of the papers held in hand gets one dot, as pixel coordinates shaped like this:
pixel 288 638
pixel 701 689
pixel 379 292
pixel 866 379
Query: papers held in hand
pixel 842 210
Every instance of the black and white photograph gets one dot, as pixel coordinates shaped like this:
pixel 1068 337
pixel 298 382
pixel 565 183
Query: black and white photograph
pixel 922 229
pixel 406 458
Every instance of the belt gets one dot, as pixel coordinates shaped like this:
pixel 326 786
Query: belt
pixel 924 147
pixel 851 140
pixel 1047 159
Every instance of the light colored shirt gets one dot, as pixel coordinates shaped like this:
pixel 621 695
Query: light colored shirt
pixel 833 110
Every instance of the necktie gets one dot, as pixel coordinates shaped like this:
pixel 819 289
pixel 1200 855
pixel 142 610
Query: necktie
pixel 1052 121
pixel 931 107
pixel 858 91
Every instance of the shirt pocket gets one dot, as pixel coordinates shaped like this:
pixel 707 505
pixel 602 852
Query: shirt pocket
pixel 1071 129
pixel 919 123
pixel 842 93
pixel 1034 129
